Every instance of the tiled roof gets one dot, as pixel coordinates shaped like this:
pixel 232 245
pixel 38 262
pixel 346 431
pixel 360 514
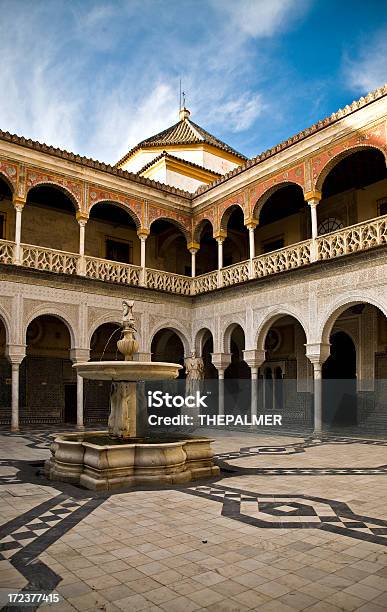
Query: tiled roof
pixel 184 132
pixel 167 155
pixel 316 127
pixel 90 163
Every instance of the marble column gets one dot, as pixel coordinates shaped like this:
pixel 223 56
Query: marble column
pixel 15 354
pixel 82 220
pixel 18 205
pixel 15 397
pixel 193 248
pixel 251 224
pixel 313 198
pixel 220 238
pixel 80 355
pixel 317 354
pixel 221 361
pixel 143 234
pixel 254 359
pixel 80 402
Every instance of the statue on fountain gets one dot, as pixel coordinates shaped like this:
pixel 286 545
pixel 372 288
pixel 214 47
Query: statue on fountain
pixel 123 409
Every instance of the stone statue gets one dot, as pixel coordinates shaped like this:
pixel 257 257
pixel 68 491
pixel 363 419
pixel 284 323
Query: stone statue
pixel 194 367
pixel 128 319
pixel 128 345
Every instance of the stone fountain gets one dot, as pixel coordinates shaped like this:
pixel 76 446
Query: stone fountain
pixel 124 455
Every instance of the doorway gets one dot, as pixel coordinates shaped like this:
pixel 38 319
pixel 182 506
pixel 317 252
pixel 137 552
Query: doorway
pixel 339 382
pixel 70 409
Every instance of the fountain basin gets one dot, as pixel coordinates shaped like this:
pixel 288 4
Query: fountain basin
pixel 127 370
pixel 102 466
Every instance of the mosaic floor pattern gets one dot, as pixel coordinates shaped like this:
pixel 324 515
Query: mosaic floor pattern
pixel 285 527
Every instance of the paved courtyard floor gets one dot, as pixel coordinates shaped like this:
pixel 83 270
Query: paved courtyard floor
pixel 290 524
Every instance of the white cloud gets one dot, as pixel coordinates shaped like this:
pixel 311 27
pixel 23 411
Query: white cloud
pixel 368 70
pixel 259 18
pixel 97 78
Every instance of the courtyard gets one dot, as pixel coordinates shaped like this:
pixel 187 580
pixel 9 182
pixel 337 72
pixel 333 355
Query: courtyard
pixel 290 524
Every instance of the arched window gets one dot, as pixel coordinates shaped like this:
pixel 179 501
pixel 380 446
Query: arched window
pixel 330 224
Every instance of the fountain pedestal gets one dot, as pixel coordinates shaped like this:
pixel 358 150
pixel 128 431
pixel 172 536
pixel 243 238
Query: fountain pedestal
pixel 123 455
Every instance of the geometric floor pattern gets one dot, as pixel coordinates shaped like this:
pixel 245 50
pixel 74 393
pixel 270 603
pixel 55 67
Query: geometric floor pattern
pixel 290 524
pixel 295 512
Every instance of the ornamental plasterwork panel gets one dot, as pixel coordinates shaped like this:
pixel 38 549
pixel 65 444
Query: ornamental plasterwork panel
pixel 375 136
pixel 207 214
pixel 156 211
pixel 10 171
pixel 96 194
pixel 157 323
pixel 239 199
pixel 35 177
pixel 67 312
pixel 295 174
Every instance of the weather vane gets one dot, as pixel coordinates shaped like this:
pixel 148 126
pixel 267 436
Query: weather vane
pixel 182 97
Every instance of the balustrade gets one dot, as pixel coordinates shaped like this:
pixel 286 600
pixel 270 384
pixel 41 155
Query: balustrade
pixel 359 237
pixel 237 273
pixel 167 281
pixel 288 258
pixel 7 251
pixel 51 260
pixel 113 271
pixel 205 282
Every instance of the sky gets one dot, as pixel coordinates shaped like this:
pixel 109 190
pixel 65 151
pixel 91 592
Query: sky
pixel 96 77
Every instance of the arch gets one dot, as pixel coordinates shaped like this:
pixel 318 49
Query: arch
pixel 263 198
pixel 198 228
pixel 41 311
pixel 174 327
pixel 123 207
pixel 179 226
pixel 107 318
pixel 271 318
pixel 227 214
pixel 228 333
pixel 339 306
pixel 5 320
pixel 7 180
pixel 200 337
pixel 47 183
pixel 329 165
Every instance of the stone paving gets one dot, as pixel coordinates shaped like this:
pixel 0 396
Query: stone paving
pixel 290 524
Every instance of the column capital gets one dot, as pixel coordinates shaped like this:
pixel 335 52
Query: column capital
pixel 79 354
pixel 82 217
pixel 18 202
pixel 220 236
pixel 254 358
pixel 143 233
pixel 318 352
pixel 193 247
pixel 312 197
pixel 221 360
pixel 15 353
pixel 251 223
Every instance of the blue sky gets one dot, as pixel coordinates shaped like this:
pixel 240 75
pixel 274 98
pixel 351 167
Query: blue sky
pixel 97 77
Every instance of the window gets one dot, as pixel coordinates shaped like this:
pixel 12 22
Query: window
pixel 331 224
pixel 382 206
pixel 119 250
pixel 2 226
pixel 273 244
